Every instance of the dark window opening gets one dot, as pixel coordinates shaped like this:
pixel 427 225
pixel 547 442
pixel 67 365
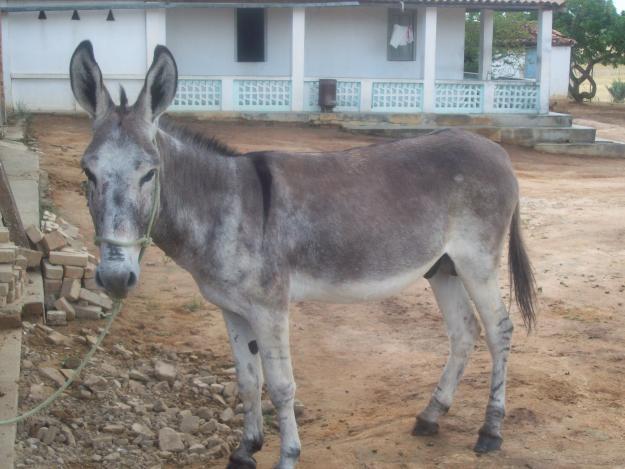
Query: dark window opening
pixel 250 34
pixel 400 41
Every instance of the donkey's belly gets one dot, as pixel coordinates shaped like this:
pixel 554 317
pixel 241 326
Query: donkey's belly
pixel 304 287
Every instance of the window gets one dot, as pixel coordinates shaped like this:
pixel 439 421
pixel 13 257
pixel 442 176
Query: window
pixel 250 34
pixel 400 40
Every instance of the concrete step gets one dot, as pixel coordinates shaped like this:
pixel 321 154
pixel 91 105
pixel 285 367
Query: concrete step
pixel 10 350
pixel 529 137
pixel 599 149
pixel 525 136
pixel 418 119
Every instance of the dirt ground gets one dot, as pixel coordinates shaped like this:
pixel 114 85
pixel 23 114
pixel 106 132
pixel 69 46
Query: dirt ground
pixel 607 118
pixel 365 370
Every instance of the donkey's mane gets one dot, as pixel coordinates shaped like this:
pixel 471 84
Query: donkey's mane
pixel 195 138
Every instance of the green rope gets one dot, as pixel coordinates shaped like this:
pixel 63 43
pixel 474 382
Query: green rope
pixel 117 306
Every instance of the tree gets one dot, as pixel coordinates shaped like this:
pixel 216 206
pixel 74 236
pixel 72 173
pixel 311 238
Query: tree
pixel 510 35
pixel 600 35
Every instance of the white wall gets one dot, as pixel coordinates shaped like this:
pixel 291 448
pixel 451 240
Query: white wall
pixel 560 66
pixel 203 40
pixel 340 42
pixel 352 42
pixel 37 54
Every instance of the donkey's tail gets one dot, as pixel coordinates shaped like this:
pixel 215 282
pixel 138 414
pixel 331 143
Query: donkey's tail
pixel 521 274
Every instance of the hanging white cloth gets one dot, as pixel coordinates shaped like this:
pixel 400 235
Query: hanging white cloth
pixel 401 36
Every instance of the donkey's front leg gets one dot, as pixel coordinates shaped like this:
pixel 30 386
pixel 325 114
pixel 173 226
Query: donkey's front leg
pixel 250 379
pixel 272 331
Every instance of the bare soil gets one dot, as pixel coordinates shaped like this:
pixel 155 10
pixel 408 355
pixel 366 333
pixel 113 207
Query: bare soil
pixel 365 370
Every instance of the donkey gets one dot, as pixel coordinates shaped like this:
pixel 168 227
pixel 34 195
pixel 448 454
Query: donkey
pixel 262 229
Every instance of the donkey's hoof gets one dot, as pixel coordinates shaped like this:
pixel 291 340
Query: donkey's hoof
pixel 424 428
pixel 238 461
pixel 487 443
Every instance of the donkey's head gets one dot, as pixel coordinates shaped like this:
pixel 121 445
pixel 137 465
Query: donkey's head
pixel 122 161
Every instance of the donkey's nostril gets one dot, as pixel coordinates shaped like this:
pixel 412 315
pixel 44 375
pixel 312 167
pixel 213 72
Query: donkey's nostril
pixel 132 280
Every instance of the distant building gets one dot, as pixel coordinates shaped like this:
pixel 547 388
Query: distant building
pixel 387 56
pixel 524 64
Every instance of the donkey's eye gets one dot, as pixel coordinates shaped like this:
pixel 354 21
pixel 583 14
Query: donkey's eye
pixel 148 177
pixel 90 176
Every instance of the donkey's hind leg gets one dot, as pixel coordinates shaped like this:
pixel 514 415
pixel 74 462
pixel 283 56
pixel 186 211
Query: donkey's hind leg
pixel 482 284
pixel 250 381
pixel 462 329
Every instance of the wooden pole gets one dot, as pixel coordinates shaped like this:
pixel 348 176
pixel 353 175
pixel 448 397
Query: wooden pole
pixel 9 212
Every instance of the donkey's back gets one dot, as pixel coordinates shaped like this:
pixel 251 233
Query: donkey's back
pixel 366 222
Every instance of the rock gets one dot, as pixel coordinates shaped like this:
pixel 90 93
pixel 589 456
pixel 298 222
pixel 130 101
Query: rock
pixel 112 456
pixel 71 363
pixel 196 448
pixel 95 382
pixel 190 424
pixel 69 436
pixel 231 390
pixel 102 442
pixel 213 441
pixel 50 435
pixel 268 408
pixel 209 427
pixel 185 413
pixel 53 374
pixel 218 398
pixel 169 440
pixel 227 415
pixel 205 413
pixel 56 317
pixel 161 387
pixel 159 406
pixel 142 430
pixel 39 392
pixel 56 338
pixel 165 371
pixel 138 376
pixel 113 428
pixel 299 408
pixel 41 433
pixel 120 349
pixel 217 388
pixel 208 379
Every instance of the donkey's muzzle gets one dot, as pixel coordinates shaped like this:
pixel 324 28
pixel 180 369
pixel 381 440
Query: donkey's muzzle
pixel 117 283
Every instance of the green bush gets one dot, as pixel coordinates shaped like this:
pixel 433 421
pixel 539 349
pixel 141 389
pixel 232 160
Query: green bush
pixel 617 91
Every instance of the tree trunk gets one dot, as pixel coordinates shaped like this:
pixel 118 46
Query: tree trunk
pixel 577 77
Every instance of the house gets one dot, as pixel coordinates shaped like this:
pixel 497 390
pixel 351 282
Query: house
pixel 388 56
pixel 523 65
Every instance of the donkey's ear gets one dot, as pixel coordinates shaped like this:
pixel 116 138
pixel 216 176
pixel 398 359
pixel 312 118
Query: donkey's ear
pixel 160 85
pixel 86 81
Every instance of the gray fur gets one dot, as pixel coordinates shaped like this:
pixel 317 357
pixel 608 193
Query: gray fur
pixel 260 230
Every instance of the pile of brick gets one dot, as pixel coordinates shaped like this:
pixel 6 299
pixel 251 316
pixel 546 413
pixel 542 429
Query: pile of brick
pixel 68 272
pixel 14 261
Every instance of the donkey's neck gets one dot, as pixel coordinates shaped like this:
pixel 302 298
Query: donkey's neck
pixel 201 197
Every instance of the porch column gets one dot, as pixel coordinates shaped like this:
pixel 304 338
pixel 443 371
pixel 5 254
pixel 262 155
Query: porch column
pixel 543 46
pixel 429 60
pixel 486 44
pixel 486 59
pixel 155 31
pixel 297 58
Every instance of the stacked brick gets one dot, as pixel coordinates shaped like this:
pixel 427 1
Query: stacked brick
pixel 14 261
pixel 68 272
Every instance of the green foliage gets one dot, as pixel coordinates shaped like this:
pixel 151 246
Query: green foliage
pixel 600 34
pixel 21 111
pixel 511 33
pixel 617 91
